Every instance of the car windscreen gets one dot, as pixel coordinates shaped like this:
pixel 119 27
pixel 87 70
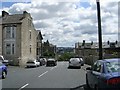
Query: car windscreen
pixel 113 66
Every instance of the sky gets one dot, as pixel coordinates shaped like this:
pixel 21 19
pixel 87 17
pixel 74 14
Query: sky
pixel 66 22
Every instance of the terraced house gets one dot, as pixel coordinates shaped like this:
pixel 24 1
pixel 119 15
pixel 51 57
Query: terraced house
pixel 17 37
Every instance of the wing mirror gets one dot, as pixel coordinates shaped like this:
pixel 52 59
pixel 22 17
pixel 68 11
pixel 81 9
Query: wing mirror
pixel 88 68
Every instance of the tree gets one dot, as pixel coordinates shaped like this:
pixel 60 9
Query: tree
pixel 66 56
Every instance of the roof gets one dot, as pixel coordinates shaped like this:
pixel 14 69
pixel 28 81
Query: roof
pixel 96 45
pixel 16 18
pixel 110 60
pixel 39 34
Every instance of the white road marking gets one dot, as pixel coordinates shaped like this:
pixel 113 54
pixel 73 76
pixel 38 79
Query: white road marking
pixel 24 86
pixel 53 68
pixel 43 74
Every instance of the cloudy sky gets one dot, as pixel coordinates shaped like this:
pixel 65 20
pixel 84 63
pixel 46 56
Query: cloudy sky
pixel 65 22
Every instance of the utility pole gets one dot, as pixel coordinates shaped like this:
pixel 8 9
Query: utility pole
pixel 99 29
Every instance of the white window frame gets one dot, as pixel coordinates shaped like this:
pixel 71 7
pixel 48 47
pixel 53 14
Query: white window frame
pixel 11 49
pixel 12 31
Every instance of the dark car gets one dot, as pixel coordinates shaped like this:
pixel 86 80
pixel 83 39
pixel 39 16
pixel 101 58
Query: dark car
pixel 51 62
pixel 104 75
pixel 3 71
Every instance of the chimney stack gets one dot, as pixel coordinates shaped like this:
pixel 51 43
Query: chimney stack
pixel 25 13
pixel 4 13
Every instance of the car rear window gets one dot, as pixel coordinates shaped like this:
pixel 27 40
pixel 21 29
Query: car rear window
pixel 113 66
pixel 30 62
pixel 74 59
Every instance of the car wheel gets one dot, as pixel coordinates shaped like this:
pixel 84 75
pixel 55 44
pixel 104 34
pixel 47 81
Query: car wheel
pixel 3 75
pixel 80 67
pixel 87 84
pixel 96 87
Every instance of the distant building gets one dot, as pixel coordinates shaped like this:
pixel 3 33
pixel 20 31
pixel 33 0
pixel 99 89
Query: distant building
pixel 62 50
pixel 49 50
pixel 39 44
pixel 17 37
pixel 91 50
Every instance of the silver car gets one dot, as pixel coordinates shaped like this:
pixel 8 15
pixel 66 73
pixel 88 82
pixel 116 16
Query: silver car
pixel 74 62
pixel 32 63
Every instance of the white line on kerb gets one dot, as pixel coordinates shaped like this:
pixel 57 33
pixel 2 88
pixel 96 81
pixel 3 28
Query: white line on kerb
pixel 43 74
pixel 24 86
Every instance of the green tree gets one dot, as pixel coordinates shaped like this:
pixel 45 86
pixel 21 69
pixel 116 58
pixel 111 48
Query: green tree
pixel 66 56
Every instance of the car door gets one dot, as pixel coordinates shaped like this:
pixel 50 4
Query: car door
pixel 96 73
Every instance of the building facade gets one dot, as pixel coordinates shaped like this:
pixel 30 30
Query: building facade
pixel 90 51
pixel 49 50
pixel 39 44
pixel 17 38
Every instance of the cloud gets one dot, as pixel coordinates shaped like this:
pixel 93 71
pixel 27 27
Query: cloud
pixel 65 23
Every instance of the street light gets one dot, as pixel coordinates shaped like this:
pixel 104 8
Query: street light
pixel 99 29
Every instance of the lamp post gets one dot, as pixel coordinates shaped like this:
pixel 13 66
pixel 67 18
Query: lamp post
pixel 99 29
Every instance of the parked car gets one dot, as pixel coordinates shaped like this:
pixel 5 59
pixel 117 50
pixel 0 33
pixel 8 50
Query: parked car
pixel 3 71
pixel 104 74
pixel 51 62
pixel 42 61
pixel 74 62
pixel 5 62
pixel 82 62
pixel 32 63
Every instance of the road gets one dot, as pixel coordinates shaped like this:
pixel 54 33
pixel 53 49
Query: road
pixel 58 77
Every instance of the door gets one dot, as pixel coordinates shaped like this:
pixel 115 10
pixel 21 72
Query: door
pixel 95 74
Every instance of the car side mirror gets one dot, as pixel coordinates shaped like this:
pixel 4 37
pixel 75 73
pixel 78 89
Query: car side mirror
pixel 88 68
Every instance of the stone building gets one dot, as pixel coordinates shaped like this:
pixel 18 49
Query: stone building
pixel 17 37
pixel 90 51
pixel 49 50
pixel 39 44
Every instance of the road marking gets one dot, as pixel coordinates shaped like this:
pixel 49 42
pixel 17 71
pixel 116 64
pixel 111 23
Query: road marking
pixel 24 86
pixel 43 74
pixel 53 68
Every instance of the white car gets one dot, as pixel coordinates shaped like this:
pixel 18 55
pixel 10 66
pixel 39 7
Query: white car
pixel 74 62
pixel 5 62
pixel 32 63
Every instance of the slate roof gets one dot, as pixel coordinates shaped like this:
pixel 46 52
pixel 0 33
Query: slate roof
pixel 16 18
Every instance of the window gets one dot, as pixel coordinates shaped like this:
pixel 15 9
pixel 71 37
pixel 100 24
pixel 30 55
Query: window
pixel 113 66
pixel 37 51
pixel 10 48
pixel 97 67
pixel 10 32
pixel 30 34
pixel 13 32
pixel 13 46
pixel 30 49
